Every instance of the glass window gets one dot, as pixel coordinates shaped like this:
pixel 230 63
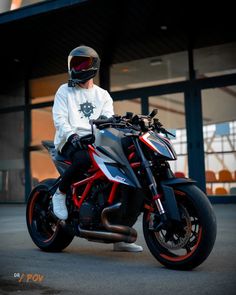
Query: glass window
pixel 12 96
pixel 171 113
pixel 215 60
pixel 12 179
pixel 219 119
pixel 44 89
pixel 6 5
pixel 123 106
pixel 42 166
pixel 42 125
pixel 42 129
pixel 150 71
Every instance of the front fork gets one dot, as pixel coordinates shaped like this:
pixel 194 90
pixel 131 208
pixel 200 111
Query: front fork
pixel 156 196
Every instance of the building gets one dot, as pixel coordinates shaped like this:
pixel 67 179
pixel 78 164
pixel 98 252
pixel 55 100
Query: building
pixel 181 60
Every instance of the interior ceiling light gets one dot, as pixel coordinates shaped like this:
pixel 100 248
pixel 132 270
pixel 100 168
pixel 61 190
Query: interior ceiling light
pixel 163 27
pixel 125 70
pixel 156 61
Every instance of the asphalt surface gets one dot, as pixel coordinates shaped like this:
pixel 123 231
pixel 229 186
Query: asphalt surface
pixel 93 268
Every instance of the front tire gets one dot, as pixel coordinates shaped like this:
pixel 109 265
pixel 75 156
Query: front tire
pixel 45 230
pixel 184 251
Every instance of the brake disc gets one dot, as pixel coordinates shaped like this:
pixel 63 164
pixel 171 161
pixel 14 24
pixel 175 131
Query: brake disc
pixel 175 241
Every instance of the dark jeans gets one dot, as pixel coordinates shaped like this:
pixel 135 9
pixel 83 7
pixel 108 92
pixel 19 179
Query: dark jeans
pixel 80 162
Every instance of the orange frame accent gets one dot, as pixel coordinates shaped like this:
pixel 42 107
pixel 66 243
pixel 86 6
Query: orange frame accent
pixel 98 174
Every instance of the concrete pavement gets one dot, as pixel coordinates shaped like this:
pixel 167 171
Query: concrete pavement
pixel 93 268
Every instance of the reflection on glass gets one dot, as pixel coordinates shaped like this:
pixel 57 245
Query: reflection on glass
pixel 42 129
pixel 149 71
pixel 215 60
pixel 219 130
pixel 42 99
pixel 42 125
pixel 171 113
pixel 42 166
pixel 11 157
pixel 123 106
pixel 6 5
pixel 44 89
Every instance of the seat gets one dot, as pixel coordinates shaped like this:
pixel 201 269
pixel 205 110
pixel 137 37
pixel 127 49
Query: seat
pixel 232 191
pixel 48 144
pixel 221 191
pixel 210 176
pixel 179 174
pixel 225 176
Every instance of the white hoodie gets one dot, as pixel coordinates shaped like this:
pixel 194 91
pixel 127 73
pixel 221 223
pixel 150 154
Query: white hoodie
pixel 73 108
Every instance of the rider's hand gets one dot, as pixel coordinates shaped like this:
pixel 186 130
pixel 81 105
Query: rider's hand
pixel 81 142
pixel 74 139
pixel 86 140
pixel 102 117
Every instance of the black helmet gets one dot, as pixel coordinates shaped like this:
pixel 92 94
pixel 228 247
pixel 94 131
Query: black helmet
pixel 83 64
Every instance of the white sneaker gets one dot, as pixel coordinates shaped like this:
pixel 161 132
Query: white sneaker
pixel 59 205
pixel 126 247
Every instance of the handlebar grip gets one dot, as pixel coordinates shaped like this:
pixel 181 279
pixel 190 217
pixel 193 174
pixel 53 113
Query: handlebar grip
pixel 102 121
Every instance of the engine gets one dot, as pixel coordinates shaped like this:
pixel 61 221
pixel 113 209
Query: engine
pixel 90 211
pixel 89 215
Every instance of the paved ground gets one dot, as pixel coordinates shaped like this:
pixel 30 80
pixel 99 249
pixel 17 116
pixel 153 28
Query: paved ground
pixel 93 268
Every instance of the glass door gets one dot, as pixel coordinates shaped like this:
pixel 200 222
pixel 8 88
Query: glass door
pixel 171 113
pixel 219 129
pixel 12 168
pixel 42 166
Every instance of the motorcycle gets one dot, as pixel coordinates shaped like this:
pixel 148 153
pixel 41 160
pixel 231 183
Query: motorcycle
pixel 129 175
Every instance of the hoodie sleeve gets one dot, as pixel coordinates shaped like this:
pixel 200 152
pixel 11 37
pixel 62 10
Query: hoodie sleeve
pixel 60 114
pixel 108 110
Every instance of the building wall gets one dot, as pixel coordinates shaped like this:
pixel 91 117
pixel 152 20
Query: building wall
pixel 218 105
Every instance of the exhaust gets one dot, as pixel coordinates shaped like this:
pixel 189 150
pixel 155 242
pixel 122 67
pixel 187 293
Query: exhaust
pixel 114 233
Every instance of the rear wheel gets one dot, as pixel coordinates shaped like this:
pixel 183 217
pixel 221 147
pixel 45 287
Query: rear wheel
pixel 187 246
pixel 45 230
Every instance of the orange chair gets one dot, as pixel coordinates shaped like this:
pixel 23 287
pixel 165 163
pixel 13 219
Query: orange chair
pixel 225 176
pixel 179 174
pixel 235 175
pixel 210 176
pixel 221 191
pixel 209 191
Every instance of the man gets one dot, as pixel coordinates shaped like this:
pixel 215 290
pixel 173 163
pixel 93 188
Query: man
pixel 75 104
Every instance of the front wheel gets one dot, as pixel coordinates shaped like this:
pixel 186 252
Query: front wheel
pixel 46 231
pixel 186 248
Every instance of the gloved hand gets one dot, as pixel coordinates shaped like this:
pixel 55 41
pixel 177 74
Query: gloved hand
pixel 87 139
pixel 81 142
pixel 102 117
pixel 74 139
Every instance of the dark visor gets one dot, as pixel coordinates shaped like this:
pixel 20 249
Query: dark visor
pixel 79 63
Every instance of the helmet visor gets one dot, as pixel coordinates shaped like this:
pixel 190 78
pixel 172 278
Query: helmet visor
pixel 80 63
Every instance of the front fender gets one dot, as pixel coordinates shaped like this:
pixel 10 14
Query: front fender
pixel 169 196
pixel 176 181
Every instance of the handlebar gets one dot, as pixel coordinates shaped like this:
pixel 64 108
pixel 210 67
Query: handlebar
pixel 102 121
pixel 139 123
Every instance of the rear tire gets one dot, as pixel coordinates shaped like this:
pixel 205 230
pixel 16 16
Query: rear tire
pixel 184 252
pixel 46 232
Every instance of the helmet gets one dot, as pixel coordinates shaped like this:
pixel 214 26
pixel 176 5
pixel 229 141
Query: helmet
pixel 83 64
